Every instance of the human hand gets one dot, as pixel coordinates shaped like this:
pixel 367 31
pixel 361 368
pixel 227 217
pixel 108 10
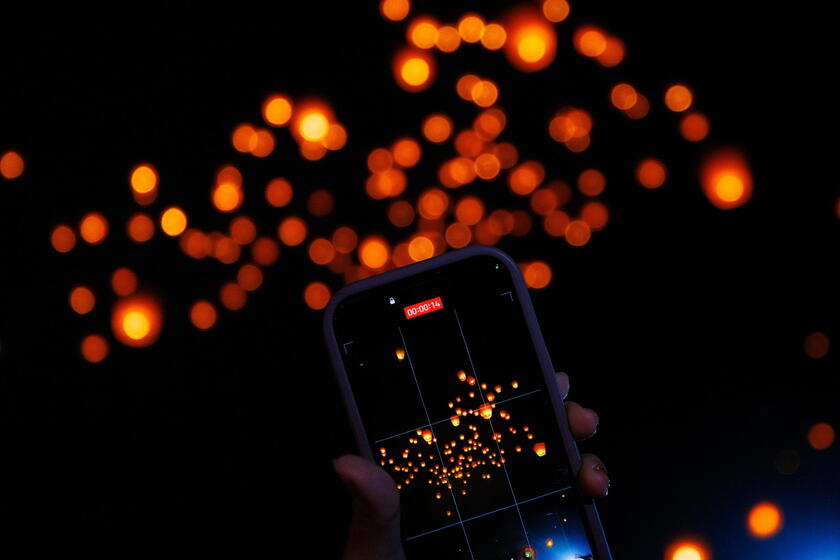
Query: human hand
pixel 375 527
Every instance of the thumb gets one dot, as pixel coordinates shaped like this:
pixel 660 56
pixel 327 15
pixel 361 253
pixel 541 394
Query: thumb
pixel 375 528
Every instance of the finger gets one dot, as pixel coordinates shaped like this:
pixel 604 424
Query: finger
pixel 593 479
pixel 583 422
pixel 562 383
pixel 375 527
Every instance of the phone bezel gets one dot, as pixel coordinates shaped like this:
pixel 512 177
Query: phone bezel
pixel 591 518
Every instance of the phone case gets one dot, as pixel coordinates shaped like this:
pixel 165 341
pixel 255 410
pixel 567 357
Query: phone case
pixel 590 511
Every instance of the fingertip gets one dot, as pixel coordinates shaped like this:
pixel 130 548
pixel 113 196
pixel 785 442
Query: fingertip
pixel 562 383
pixel 593 478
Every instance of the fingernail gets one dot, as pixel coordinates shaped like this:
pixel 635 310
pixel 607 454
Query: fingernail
pixel 602 471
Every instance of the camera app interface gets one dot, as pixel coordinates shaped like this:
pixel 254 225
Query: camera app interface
pixel 456 410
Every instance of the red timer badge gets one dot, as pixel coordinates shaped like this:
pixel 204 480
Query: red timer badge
pixel 423 307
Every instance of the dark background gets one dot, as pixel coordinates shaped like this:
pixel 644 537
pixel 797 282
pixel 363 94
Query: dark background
pixel 681 324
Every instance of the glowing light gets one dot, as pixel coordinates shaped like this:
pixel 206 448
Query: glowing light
pixel 11 165
pixel 427 436
pixel 433 203
pixel 487 166
pixel 448 39
pixel 489 124
pixel 678 98
pixel 232 296
pixel 336 137
pixel 278 192
pixel 140 228
pixel 400 352
pixel 413 69
pixel 595 214
pixel 379 160
pixel 394 10
pixel 124 282
pixel 63 239
pixel 462 375
pixel 292 231
pixel 93 228
pixel 484 93
pixel 555 10
pixel 494 36
pixel 570 124
pixel 195 244
pixel 456 420
pixel 203 315
pixel 242 138
pixel 262 143
pixel 136 320
pixel 242 230
pixel 458 235
pixel 623 96
pixel 421 248
pixel 406 152
pixel 688 551
pixel 651 173
pixel 694 126
pixel 144 178
pixel 82 300
pixel 577 233
pixel 319 202
pixel 532 42
pixel 469 210
pixel 613 54
pixel 374 252
pixel 526 177
pixel 537 275
pixel 816 345
pixel 471 28
pixel 590 41
pixel 821 436
pixel 173 221
pixel 591 182
pixel 726 179
pixel 539 449
pixel 486 411
pixel 227 195
pixel 94 348
pixel 423 33
pixel 249 277
pixel 437 128
pixel 277 110
pixel 265 251
pixel 321 251
pixel 764 520
pixel 345 239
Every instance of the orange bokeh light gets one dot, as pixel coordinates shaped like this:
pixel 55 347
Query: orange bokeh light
pixel 437 128
pixel 94 348
pixel 278 192
pixel 203 315
pixel 321 251
pixel 678 98
pixel 821 436
pixel 311 122
pixel 448 39
pixel 765 520
pixel 93 228
pixel 249 277
pixel 494 37
pixel 406 152
pixel 316 295
pixel 394 10
pixel 242 230
pixel 11 165
pixel 374 252
pixel 613 54
pixel 578 233
pixel 63 238
pixel 537 275
pixel 82 300
pixel 344 239
pixel 526 177
pixel 320 202
pixel 232 296
pixel 726 179
pixel 265 251
pixel 292 231
pixel 590 41
pixel 143 178
pixel 591 182
pixel 137 320
pixel 816 345
pixel 140 228
pixel 414 69
pixel 422 32
pixel 687 550
pixel 124 282
pixel 531 43
pixel 694 126
pixel 651 173
pixel 173 221
pixel 623 96
pixel 277 109
pixel 555 10
pixel 401 213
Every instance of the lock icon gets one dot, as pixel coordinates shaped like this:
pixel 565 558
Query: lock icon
pixel 392 301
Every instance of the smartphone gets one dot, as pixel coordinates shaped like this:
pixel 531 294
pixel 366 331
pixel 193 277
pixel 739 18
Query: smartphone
pixel 449 387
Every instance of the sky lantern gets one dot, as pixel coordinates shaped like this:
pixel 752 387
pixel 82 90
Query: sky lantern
pixel 137 320
pixel 427 435
pixel 456 420
pixel 726 179
pixel 539 449
pixel 486 411
pixel 531 43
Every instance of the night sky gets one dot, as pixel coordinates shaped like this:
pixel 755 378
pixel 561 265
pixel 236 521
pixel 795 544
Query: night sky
pixel 681 324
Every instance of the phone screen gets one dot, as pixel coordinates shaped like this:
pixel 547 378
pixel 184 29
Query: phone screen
pixel 455 407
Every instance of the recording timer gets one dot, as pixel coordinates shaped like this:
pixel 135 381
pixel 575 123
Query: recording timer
pixel 423 307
